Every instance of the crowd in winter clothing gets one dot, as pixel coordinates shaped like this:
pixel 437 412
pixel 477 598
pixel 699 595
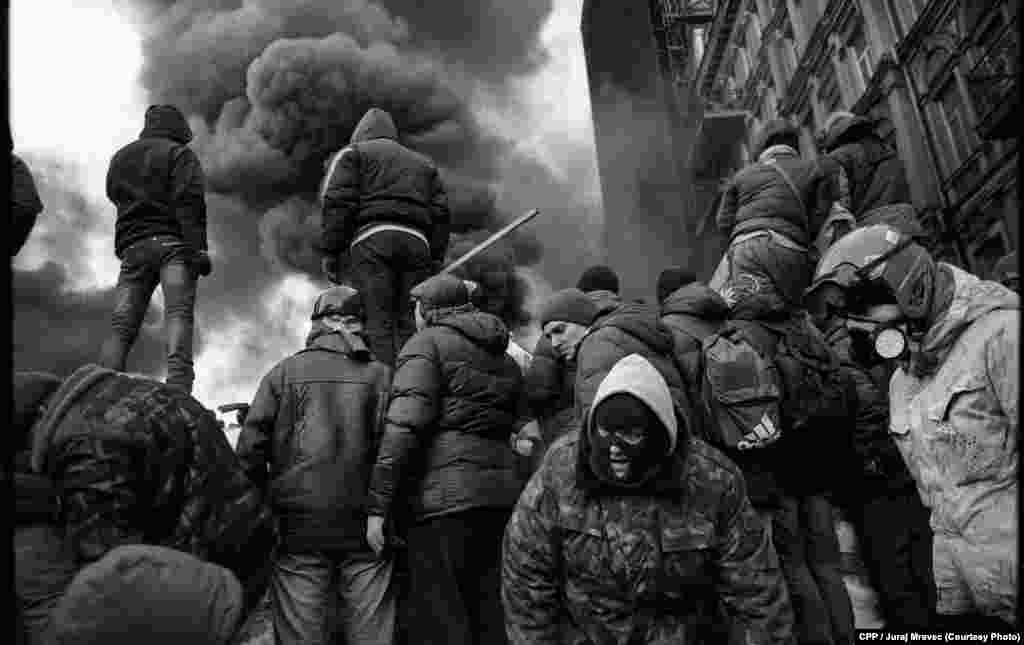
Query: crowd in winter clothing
pixel 692 470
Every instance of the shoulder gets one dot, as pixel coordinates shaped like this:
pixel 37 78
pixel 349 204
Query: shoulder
pixel 709 469
pixel 556 474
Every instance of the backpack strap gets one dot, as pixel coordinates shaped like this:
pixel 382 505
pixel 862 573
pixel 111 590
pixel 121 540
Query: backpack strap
pixel 772 163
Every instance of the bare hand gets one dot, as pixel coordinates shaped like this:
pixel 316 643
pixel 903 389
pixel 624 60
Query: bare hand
pixel 375 533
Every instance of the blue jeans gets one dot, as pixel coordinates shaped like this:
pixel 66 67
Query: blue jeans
pixel 305 586
pixel 384 268
pixel 804 534
pixel 162 260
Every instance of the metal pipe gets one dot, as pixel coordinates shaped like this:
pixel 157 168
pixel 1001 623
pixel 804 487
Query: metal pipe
pixel 489 242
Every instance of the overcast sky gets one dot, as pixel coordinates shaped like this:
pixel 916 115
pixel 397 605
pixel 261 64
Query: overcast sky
pixel 75 97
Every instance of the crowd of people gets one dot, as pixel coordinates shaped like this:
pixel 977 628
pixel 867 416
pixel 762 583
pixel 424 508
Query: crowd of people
pixel 667 472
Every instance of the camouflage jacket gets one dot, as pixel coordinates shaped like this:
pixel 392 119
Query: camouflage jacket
pixel 583 563
pixel 140 462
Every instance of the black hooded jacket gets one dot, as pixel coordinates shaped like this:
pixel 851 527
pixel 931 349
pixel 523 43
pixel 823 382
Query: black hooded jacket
pixel 310 437
pixel 376 180
pixel 456 399
pixel 157 184
pixel 692 313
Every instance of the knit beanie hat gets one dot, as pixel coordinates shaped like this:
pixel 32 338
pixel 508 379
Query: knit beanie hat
pixel 339 300
pixel 442 295
pixel 673 278
pixel 568 305
pixel 598 278
pixel 31 389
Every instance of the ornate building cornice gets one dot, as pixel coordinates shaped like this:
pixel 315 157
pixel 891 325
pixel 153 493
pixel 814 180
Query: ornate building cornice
pixel 837 13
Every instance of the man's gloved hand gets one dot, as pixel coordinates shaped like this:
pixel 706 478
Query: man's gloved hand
pixel 202 263
pixel 329 265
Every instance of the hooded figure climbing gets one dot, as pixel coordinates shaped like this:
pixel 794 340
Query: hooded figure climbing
pixel 385 215
pixel 633 530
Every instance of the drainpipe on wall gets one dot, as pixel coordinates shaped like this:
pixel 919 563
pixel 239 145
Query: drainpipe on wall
pixel 929 135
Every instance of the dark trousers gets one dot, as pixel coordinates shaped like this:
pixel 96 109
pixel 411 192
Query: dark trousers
pixel 455 579
pixel 804 534
pixel 384 268
pixel 760 266
pixel 162 260
pixel 305 587
pixel 897 545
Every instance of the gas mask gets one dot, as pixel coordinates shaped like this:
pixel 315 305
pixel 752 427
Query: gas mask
pixel 627 424
pixel 886 342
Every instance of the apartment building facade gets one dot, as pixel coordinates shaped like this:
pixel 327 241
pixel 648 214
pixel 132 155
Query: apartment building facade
pixel 943 73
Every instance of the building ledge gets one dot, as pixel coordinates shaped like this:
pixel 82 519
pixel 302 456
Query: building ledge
pixel 713 153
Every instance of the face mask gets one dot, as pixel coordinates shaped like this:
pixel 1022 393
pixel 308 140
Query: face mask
pixel 871 348
pixel 643 456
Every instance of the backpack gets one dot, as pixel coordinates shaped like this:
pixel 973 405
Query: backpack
pixel 760 378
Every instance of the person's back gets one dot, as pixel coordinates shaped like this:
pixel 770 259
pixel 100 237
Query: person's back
pixel 386 207
pixel 157 185
pixel 691 311
pixel 456 403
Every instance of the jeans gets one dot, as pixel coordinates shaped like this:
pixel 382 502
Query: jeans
pixel 760 266
pixel 384 268
pixel 455 579
pixel 162 260
pixel 301 598
pixel 803 531
pixel 43 568
pixel 897 546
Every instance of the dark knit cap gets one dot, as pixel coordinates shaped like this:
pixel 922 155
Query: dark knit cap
pixel 673 278
pixel 598 278
pixel 340 300
pixel 568 305
pixel 441 292
pixel 31 389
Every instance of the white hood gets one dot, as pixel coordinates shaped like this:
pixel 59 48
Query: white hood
pixel 635 375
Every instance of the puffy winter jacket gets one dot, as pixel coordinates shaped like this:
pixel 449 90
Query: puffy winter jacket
pixel 758 198
pixel 874 173
pixel 551 379
pixel 691 314
pixel 585 562
pixel 140 462
pixel 25 203
pixel 632 328
pixel 310 439
pixel 157 184
pixel 149 594
pixel 376 180
pixel 456 400
pixel 958 430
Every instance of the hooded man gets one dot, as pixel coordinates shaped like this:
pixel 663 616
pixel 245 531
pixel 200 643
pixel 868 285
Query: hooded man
pixel 771 210
pixel 552 374
pixel 157 185
pixel 632 530
pixel 869 167
pixel 445 453
pixel 309 440
pixel 952 400
pixel 385 207
pixel 692 311
pixel 110 459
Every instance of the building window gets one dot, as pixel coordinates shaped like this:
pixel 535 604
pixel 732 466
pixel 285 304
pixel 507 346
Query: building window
pixel 860 56
pixel 954 125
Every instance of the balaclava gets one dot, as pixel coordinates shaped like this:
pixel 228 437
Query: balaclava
pixel 623 411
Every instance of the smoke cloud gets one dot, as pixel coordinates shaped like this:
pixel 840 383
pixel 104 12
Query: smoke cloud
pixel 271 90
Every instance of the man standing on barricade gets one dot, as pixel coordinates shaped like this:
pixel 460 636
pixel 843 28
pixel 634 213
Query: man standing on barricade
pixel 385 210
pixel 953 403
pixel 309 439
pixel 157 185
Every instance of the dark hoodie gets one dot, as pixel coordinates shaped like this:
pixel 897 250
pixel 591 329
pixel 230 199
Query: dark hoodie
pixel 310 437
pixel 632 328
pixel 157 185
pixel 456 400
pixel 376 180
pixel 692 313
